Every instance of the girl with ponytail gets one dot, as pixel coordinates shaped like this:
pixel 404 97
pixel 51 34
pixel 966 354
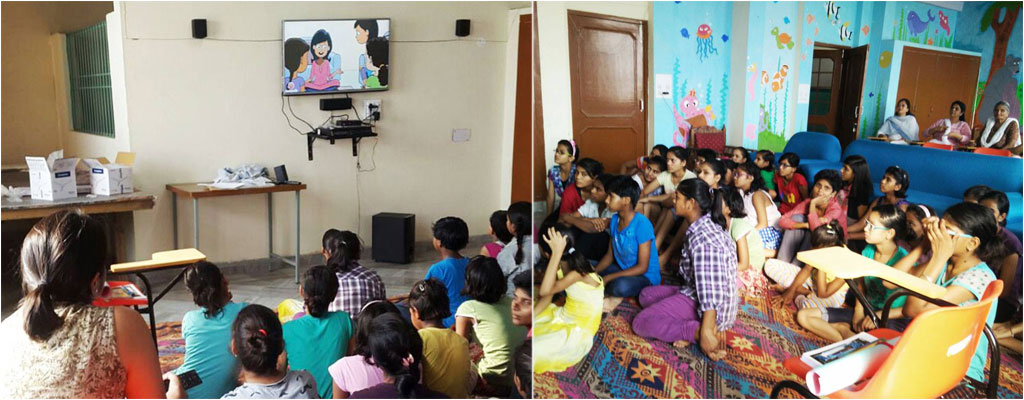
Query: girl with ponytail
pixel 517 256
pixel 57 344
pixel 397 349
pixel 207 332
pixel 564 335
pixel 257 340
pixel 706 304
pixel 728 211
pixel 357 285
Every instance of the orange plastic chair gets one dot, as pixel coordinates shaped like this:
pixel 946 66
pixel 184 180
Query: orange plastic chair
pixel 993 152
pixel 931 145
pixel 918 366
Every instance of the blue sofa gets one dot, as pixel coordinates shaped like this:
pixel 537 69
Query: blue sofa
pixel 930 183
pixel 817 151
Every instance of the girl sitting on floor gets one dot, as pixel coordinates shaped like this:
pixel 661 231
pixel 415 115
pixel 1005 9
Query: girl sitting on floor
pixel 758 206
pixel 397 349
pixel 518 254
pixel 894 186
pixel 821 291
pixel 765 162
pixel 705 306
pixel 564 335
pixel 578 192
pixel 749 249
pixel 321 337
pixel 357 285
pixel 562 174
pixel 712 172
pixel 655 166
pixel 740 155
pixel 857 190
pixel 667 181
pixel 637 166
pixel 257 341
pixel 487 319
pixel 207 332
pixel 885 224
pixel 809 214
pixel 963 242
pixel 590 222
pixel 499 232
pixel 446 362
pixel 355 372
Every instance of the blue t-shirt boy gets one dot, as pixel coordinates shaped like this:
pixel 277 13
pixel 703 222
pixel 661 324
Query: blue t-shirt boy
pixel 451 272
pixel 626 244
pixel 207 351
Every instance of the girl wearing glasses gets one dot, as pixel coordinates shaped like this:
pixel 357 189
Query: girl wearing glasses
pixel 963 244
pixel 884 225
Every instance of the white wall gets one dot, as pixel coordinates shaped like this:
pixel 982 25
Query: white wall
pixel 197 105
pixel 553 46
pixel 32 88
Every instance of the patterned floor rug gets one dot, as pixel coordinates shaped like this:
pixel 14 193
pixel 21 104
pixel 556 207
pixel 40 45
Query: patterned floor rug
pixel 170 345
pixel 624 365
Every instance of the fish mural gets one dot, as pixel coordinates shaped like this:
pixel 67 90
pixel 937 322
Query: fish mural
pixel 844 32
pixel 725 38
pixel 685 33
pixel 865 29
pixel 832 12
pixel 944 22
pixel 915 25
pixel 779 78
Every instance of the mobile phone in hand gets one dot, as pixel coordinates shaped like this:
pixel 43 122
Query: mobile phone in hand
pixel 189 379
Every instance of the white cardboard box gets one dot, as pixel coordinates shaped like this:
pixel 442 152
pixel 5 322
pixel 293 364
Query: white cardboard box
pixel 52 181
pixel 109 179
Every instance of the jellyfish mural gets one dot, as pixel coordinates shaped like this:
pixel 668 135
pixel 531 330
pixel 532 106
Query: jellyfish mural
pixel 705 42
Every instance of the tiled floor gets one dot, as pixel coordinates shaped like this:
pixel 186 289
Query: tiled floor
pixel 253 283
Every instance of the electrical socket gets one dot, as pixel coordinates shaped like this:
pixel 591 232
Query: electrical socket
pixel 371 106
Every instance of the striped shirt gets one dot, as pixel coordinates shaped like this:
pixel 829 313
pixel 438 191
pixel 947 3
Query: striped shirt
pixel 357 287
pixel 708 269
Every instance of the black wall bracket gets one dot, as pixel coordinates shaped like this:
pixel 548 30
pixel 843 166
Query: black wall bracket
pixel 355 135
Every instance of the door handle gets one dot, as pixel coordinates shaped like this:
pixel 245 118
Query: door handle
pixel 641 105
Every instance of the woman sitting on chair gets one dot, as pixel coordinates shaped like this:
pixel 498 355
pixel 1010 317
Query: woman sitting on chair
pixel 1001 131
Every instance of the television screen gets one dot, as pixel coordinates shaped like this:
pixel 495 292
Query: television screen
pixel 335 56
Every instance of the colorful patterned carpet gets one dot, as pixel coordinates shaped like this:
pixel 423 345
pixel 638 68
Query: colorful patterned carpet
pixel 623 365
pixel 170 345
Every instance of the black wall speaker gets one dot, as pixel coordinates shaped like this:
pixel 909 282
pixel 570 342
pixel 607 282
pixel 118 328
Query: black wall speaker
pixel 199 28
pixel 393 237
pixel 344 103
pixel 462 27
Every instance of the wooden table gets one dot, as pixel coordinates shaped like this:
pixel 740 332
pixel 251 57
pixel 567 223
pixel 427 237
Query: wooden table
pixel 195 192
pixel 161 260
pixel 29 208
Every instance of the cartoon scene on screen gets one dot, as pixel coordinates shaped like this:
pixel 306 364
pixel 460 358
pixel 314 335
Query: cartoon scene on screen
pixel 335 55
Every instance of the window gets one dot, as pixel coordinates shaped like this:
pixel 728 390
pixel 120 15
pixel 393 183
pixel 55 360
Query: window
pixel 91 104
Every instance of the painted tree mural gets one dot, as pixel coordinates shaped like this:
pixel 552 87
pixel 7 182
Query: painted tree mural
pixel 1002 28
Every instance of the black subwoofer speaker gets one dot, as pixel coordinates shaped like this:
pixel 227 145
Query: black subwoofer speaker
pixel 394 236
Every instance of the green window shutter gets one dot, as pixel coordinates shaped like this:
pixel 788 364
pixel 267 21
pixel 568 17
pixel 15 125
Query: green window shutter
pixel 92 107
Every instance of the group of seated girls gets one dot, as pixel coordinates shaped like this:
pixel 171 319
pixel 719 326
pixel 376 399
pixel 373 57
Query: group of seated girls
pixel 348 341
pixel 999 132
pixel 733 231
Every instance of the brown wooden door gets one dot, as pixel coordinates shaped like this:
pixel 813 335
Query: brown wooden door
pixel 539 172
pixel 608 77
pixel 521 165
pixel 823 109
pixel 932 80
pixel 855 62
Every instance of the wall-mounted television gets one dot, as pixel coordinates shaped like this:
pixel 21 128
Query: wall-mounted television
pixel 335 56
